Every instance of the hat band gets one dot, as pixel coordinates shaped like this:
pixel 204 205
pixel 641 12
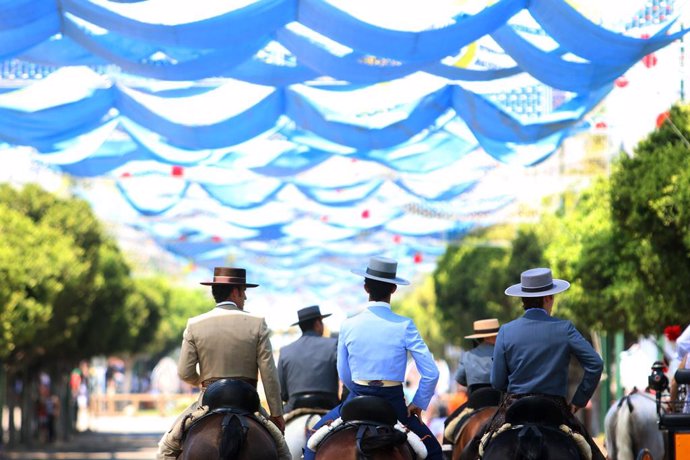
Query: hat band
pixel 485 331
pixel 537 289
pixel 229 279
pixel 380 274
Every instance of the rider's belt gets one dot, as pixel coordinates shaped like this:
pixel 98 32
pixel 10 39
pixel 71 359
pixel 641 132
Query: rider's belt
pixel 378 383
pixel 207 382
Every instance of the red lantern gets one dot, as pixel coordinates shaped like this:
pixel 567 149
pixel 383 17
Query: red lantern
pixel 397 239
pixel 649 60
pixel 324 218
pixel 177 171
pixel 600 125
pixel 216 239
pixel 365 214
pixel 661 119
pixel 621 82
pixel 418 258
pixel 125 174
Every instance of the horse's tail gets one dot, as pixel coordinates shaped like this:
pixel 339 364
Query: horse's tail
pixel 381 439
pixel 624 438
pixel 232 436
pixel 530 443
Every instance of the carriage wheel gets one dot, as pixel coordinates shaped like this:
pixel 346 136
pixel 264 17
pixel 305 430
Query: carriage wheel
pixel 644 454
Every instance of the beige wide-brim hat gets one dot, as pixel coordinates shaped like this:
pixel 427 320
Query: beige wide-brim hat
pixel 537 282
pixel 484 328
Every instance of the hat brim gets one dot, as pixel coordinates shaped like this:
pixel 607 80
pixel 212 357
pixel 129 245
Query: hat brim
pixel 211 283
pixel 558 286
pixel 314 317
pixel 400 281
pixel 481 336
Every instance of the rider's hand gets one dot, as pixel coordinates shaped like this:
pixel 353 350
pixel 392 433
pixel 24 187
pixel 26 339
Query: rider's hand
pixel 414 410
pixel 574 408
pixel 279 421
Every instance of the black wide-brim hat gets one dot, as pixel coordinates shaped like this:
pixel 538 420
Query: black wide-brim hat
pixel 229 276
pixel 308 313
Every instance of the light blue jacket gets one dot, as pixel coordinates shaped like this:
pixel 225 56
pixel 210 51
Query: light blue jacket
pixel 532 354
pixel 373 345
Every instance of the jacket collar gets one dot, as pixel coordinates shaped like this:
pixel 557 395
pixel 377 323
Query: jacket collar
pixel 311 333
pixel 536 313
pixel 373 303
pixel 227 305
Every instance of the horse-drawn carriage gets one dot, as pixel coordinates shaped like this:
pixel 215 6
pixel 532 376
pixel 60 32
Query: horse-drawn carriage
pixel 670 412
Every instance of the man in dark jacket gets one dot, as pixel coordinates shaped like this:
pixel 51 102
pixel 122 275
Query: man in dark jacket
pixel 307 368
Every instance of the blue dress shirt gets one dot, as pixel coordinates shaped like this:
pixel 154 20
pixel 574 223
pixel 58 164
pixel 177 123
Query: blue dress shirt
pixel 475 365
pixel 373 345
pixel 532 354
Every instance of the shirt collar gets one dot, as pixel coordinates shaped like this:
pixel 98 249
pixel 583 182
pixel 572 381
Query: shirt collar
pixel 311 333
pixel 374 303
pixel 541 310
pixel 227 305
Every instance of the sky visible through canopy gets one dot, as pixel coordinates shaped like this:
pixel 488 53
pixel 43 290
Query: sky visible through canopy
pixel 297 138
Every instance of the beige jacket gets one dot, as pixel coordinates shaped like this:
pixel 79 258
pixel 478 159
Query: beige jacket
pixel 228 342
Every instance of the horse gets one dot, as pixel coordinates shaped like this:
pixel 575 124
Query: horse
pixel 367 431
pixel 532 432
pixel 474 424
pixel 298 427
pixel 482 404
pixel 229 431
pixel 631 425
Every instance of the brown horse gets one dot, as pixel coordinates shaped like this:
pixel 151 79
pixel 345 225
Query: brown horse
pixel 228 436
pixel 474 424
pixel 343 445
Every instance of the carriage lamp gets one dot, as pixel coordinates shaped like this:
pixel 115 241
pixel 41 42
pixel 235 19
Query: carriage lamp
pixel 657 380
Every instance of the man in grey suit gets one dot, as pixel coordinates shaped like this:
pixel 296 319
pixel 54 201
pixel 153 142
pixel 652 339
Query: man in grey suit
pixel 532 353
pixel 307 368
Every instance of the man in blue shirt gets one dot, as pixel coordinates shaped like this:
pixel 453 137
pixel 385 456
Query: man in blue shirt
pixel 532 353
pixel 372 355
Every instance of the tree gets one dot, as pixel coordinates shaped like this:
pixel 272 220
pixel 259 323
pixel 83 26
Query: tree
pixel 420 305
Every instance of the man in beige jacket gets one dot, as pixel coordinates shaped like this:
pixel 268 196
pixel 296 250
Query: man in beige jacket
pixel 226 342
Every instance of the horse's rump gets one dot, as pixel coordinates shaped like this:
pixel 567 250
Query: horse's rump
pixel 531 442
pixel 374 442
pixel 227 434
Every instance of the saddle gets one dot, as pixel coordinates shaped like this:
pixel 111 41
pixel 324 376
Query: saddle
pixel 315 401
pixel 369 409
pixel 231 394
pixel 534 410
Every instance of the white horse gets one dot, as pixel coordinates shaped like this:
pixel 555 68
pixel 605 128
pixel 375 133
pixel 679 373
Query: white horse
pixel 631 425
pixel 297 426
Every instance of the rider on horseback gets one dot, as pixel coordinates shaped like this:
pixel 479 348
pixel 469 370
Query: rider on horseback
pixel 307 367
pixel 532 354
pixel 226 343
pixel 372 355
pixel 474 369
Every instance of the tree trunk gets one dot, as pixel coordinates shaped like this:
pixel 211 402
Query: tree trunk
pixel 29 396
pixel 3 400
pixel 11 405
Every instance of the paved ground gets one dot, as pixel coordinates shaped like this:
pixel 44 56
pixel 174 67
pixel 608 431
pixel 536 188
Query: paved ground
pixel 112 438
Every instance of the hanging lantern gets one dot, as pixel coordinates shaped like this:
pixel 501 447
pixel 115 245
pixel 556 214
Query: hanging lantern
pixel 125 174
pixel 216 239
pixel 397 239
pixel 621 82
pixel 365 214
pixel 177 171
pixel 661 119
pixel 649 60
pixel 418 258
pixel 600 125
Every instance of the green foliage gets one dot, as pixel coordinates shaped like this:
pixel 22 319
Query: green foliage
pixel 471 277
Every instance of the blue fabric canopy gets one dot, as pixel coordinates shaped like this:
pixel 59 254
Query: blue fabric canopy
pixel 286 132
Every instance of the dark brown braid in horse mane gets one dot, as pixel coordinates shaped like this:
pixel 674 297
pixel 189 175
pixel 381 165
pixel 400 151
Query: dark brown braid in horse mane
pixel 372 438
pixel 233 435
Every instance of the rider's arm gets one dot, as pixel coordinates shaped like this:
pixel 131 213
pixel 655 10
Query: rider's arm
pixel 267 368
pixel 460 374
pixel 282 377
pixel 425 365
pixel 499 370
pixel 674 385
pixel 591 363
pixel 186 365
pixel 343 363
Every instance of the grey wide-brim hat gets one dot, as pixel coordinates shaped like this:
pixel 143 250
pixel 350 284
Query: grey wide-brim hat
pixel 537 282
pixel 381 269
pixel 307 313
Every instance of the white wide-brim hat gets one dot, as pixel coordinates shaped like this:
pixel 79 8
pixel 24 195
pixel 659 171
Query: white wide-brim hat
pixel 537 282
pixel 381 269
